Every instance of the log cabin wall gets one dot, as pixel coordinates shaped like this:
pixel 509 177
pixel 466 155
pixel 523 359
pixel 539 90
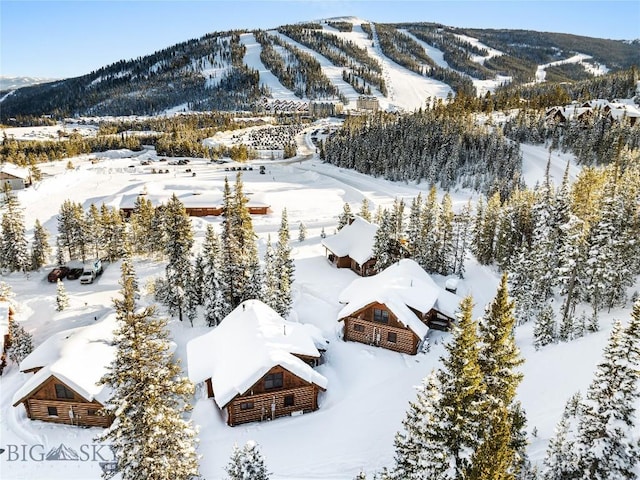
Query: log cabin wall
pixel 39 403
pixel 378 334
pixel 84 413
pixel 266 406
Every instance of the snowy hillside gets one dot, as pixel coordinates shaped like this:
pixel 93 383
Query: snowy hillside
pixel 368 388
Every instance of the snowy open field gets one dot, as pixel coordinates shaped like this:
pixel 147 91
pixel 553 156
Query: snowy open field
pixel 369 388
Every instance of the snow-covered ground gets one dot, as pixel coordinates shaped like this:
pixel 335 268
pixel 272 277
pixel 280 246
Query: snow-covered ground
pixel 597 69
pixel 368 388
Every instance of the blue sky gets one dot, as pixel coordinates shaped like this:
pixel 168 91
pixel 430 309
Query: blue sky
pixel 57 39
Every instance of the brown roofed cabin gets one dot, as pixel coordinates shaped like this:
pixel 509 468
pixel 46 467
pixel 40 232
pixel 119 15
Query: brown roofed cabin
pixel 396 308
pixel 352 247
pixel 258 366
pixel 66 368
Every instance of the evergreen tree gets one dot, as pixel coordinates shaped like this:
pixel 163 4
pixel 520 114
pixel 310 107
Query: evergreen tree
pixel 605 446
pixel 499 359
pixel 427 248
pixel 419 452
pixel 462 391
pixel 113 232
pixel 240 264
pixel 141 221
pixel 412 233
pixel 486 229
pixel 14 255
pixel 462 228
pixel 247 463
pixel 21 342
pixel 40 249
pixel 215 304
pixel 302 232
pixel 494 458
pixel 544 330
pixel 383 243
pixel 364 212
pixel 62 298
pixel 149 435
pixel 270 291
pixel 284 267
pixel 560 461
pixel 95 231
pixel 445 259
pixel 179 241
pixel 346 217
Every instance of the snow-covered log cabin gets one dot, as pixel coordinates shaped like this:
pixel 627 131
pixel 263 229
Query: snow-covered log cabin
pixel 258 366
pixel 66 369
pixel 352 247
pixel 395 308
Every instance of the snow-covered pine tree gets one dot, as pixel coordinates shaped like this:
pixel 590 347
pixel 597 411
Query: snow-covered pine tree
pixel 179 241
pixel 346 217
pixel 462 228
pixel 560 460
pixel 113 232
pixel 14 255
pixel 494 457
pixel 427 247
pixel 21 342
pixel 270 287
pixel 499 359
pixel 302 232
pixel 215 303
pixel 412 234
pixel 94 230
pixel 62 298
pixel 141 226
pixel 383 242
pixel 605 444
pixel 247 463
pixel 544 330
pixel 240 264
pixel 485 230
pixel 284 267
pixel 445 258
pixel 462 392
pixel 40 248
pixel 419 452
pixel 149 435
pixel 364 211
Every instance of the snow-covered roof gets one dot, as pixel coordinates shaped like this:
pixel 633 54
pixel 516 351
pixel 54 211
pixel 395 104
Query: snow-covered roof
pixel 78 357
pixel 190 199
pixel 249 342
pixel 354 240
pixel 14 170
pixel 4 322
pixel 402 285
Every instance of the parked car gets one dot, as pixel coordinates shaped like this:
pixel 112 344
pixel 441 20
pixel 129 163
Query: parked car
pixel 57 273
pixel 74 273
pixel 91 270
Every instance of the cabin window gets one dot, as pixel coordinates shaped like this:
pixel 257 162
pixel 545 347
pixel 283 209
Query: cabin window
pixel 358 328
pixel 273 380
pixel 52 411
pixel 63 392
pixel 246 405
pixel 380 315
pixel 392 337
pixel 92 413
pixel 289 401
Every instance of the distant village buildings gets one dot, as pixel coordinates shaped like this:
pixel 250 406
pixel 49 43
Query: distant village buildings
pixel 368 103
pixel 617 110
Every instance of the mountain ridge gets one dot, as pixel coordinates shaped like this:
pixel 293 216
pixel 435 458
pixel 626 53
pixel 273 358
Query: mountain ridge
pixel 380 59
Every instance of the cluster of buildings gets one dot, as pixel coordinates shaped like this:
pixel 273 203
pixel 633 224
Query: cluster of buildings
pixel 255 365
pixel 617 110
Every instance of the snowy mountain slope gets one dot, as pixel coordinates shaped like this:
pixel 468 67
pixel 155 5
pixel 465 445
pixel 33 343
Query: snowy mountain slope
pixel 578 58
pixel 252 59
pixel 333 72
pixel 188 74
pixel 369 388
